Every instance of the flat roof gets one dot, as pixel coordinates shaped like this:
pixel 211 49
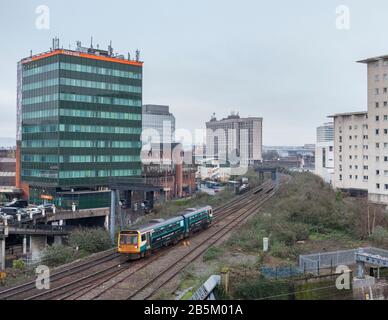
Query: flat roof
pixel 348 114
pixel 82 55
pixel 373 59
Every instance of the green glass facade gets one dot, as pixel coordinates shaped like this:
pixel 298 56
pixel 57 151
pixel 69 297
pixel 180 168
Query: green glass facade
pixel 80 122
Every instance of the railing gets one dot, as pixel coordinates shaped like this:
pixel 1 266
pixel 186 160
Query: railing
pixel 42 228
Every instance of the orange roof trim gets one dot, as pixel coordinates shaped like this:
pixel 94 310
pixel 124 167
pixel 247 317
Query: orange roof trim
pixel 82 55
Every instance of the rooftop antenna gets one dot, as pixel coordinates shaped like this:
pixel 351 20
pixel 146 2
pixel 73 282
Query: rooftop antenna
pixel 137 55
pixel 129 56
pixel 98 46
pixel 110 48
pixel 30 53
pixel 91 42
pixel 79 45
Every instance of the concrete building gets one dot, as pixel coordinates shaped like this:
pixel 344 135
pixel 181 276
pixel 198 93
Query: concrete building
pixel 351 151
pixel 158 124
pixel 79 117
pixel 324 152
pixel 234 140
pixel 377 86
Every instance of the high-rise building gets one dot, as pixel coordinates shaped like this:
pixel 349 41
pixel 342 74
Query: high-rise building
pixel 234 140
pixel 351 160
pixel 79 120
pixel 324 152
pixel 377 79
pixel 158 124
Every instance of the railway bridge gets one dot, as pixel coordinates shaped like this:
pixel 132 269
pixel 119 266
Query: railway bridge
pixel 35 235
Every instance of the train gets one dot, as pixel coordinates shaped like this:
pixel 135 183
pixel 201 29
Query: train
pixel 141 242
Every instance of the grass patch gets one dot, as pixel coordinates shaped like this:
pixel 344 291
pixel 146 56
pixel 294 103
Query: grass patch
pixel 212 253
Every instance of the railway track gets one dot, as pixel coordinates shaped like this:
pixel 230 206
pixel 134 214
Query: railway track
pixel 156 283
pixel 75 281
pixel 30 286
pixel 77 289
pixel 250 207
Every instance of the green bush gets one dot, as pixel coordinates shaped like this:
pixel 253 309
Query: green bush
pixel 90 240
pixel 212 253
pixel 58 254
pixel 280 250
pixel 257 289
pixel 380 236
pixel 18 264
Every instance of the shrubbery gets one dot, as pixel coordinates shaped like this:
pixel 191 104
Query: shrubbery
pixel 380 236
pixel 90 240
pixel 307 205
pixel 59 254
pixel 82 242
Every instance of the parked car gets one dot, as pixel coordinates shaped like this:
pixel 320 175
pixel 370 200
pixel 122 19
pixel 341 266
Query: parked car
pixel 24 213
pixel 9 210
pixel 48 207
pixel 34 211
pixel 17 204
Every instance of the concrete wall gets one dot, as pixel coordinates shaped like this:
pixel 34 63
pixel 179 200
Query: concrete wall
pixel 37 243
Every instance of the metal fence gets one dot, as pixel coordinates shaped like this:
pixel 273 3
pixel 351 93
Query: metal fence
pixel 313 263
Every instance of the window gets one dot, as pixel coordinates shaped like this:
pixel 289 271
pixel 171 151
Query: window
pixel 377 78
pixel 385 90
pixel 377 118
pixel 340 177
pixel 386 186
pixel 377 145
pixel 377 105
pixel 385 117
pixel 385 76
pixel 377 185
pixel 377 159
pixel 350 176
pixel 366 178
pixel 377 131
pixel 385 159
pixel 365 167
pixel 350 127
pixel 377 172
pixel 376 91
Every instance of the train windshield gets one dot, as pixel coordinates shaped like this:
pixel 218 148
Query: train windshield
pixel 128 239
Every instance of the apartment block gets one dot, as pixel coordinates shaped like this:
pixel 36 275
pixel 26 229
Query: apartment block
pixel 324 152
pixel 351 151
pixel 235 139
pixel 377 78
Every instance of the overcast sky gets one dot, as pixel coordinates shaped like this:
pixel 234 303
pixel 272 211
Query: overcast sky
pixel 284 61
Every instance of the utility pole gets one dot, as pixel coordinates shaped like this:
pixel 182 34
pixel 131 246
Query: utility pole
pixel 113 215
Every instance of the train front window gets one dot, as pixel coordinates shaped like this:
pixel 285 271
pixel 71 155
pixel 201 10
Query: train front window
pixel 128 239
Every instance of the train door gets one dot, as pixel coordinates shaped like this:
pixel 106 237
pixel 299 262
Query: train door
pixel 148 239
